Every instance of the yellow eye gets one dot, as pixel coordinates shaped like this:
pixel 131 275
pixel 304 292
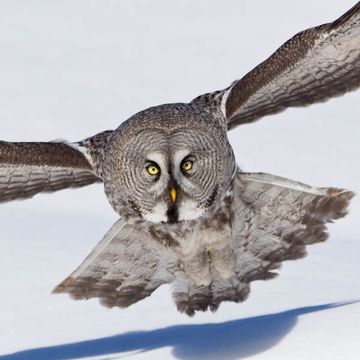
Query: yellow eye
pixel 153 169
pixel 187 165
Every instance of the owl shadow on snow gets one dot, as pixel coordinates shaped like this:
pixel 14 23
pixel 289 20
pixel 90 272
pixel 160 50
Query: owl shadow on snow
pixel 229 340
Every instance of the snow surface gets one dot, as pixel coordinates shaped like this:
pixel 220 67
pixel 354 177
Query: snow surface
pixel 70 69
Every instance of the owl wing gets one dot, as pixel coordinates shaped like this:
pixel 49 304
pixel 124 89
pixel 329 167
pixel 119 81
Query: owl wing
pixel 126 266
pixel 313 66
pixel 278 219
pixel 29 168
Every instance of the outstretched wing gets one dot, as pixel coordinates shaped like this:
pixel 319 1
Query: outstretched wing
pixel 278 218
pixel 126 266
pixel 29 168
pixel 313 66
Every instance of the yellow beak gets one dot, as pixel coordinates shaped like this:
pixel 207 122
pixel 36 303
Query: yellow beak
pixel 173 194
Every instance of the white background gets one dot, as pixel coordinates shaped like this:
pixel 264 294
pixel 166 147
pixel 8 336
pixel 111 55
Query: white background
pixel 70 69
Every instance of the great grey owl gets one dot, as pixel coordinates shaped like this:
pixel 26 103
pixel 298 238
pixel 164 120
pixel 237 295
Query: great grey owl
pixel 188 215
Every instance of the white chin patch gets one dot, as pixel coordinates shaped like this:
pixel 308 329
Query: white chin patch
pixel 188 210
pixel 157 214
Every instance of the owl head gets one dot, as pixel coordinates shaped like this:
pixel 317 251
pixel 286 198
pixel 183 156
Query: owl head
pixel 168 164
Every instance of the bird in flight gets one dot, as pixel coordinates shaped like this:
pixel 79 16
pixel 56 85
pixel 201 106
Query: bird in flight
pixel 189 216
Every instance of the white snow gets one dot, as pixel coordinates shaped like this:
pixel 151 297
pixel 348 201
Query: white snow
pixel 70 69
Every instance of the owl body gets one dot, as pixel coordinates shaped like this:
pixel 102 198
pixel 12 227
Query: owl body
pixel 189 216
pixel 203 245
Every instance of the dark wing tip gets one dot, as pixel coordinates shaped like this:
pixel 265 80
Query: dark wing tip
pixel 111 293
pixel 333 206
pixel 61 288
pixel 346 17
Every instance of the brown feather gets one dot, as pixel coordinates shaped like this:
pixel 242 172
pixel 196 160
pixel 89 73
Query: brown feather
pixel 313 66
pixel 29 168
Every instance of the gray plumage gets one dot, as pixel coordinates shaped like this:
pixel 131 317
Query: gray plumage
pixel 29 168
pixel 188 215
